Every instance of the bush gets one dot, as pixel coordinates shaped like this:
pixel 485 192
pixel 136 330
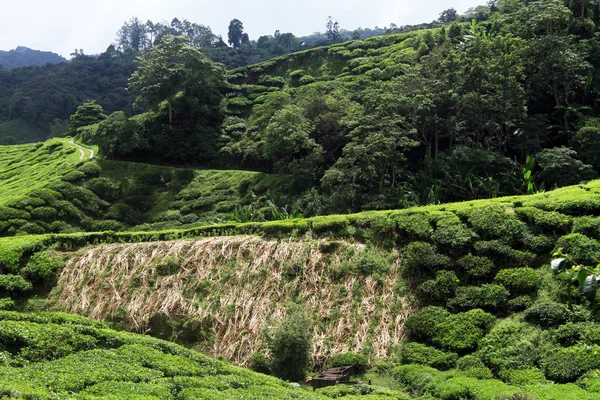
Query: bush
pixel 571 334
pixel 6 304
pixel 508 346
pixel 475 266
pixel 358 361
pixel 523 377
pixel 452 235
pixel 42 266
pixel 104 188
pixel 14 284
pixel 415 378
pixel 503 255
pixel 416 353
pixel 520 303
pixel 306 80
pixel 518 280
pixel 487 297
pixel 423 324
pixel 422 258
pixel 260 363
pixel 564 365
pixel 436 291
pixel 548 315
pixel 496 222
pixel 461 332
pixel 550 222
pixel 44 213
pixel 290 346
pixel 583 249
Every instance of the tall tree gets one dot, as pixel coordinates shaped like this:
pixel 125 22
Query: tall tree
pixel 236 33
pixel 333 30
pixel 133 37
pixel 173 66
pixel 448 16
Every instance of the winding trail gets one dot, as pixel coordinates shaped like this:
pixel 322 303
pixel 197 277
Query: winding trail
pixel 82 150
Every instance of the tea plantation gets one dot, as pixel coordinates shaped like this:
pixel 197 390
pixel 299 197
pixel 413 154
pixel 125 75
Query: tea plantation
pixel 493 321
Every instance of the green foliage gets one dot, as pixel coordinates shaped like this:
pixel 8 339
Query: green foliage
pixel 518 280
pixel 358 361
pixel 421 258
pixel 89 113
pixel 260 363
pixel 454 332
pixel 290 345
pixel 548 315
pixel 14 284
pixel 560 167
pixel 439 289
pixel 488 297
pixel 42 267
pixel 416 353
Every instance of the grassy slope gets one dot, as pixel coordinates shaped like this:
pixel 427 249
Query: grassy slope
pixel 47 356
pixel 46 188
pixel 25 168
pixel 501 233
pixel 18 132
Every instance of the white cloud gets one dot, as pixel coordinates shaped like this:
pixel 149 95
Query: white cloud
pixel 64 25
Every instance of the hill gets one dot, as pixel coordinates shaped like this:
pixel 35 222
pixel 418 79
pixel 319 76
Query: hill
pixel 56 187
pixel 20 132
pixel 92 361
pixel 464 290
pixel 24 57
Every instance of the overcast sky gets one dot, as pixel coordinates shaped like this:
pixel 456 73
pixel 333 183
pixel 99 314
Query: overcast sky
pixel 63 25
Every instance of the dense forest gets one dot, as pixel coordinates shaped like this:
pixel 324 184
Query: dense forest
pixel 503 104
pixel 24 57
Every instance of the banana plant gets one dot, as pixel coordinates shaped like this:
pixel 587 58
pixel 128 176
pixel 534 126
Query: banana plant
pixel 585 277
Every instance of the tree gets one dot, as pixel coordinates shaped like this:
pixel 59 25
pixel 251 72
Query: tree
pixel 236 33
pixel 290 346
pixel 133 37
pixel 448 16
pixel 333 30
pixel 88 113
pixel 118 135
pixel 172 67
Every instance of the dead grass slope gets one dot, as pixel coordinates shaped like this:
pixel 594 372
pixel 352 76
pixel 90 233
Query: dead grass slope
pixel 219 293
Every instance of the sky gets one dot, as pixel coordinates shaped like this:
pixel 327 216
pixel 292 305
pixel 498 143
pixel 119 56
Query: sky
pixel 61 26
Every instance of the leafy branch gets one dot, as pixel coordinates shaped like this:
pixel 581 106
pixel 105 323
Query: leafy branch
pixel 586 277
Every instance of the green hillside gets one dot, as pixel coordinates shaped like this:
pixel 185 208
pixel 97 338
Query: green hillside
pixel 51 187
pixel 19 131
pixel 450 301
pixel 48 356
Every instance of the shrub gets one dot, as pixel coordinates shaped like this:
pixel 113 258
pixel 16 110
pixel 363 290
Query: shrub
pixel 424 323
pixel 416 353
pixel 550 222
pixel 567 364
pixel 13 284
pixel 358 361
pixel 422 258
pixel 518 280
pixel 44 213
pixel 571 334
pixel 290 346
pixel 548 315
pixel 306 80
pixel 503 254
pixel 104 188
pixel 453 235
pixel 583 249
pixel 478 267
pixel 260 363
pixel 588 226
pixel 508 346
pixel 461 332
pixel 488 297
pixel 520 303
pixel 415 378
pixel 42 266
pixel 6 304
pixel 443 287
pixel 522 377
pixel 496 222
pixel 90 169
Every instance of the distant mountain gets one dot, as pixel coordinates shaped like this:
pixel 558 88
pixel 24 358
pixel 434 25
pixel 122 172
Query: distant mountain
pixel 24 56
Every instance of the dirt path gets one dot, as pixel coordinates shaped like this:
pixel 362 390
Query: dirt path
pixel 82 150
